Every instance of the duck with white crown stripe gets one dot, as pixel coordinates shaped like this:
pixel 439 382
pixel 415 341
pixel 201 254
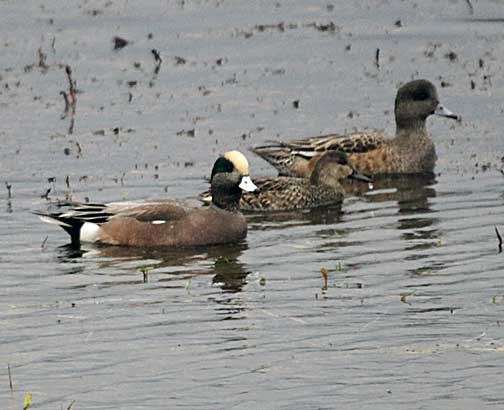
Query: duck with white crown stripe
pixel 164 223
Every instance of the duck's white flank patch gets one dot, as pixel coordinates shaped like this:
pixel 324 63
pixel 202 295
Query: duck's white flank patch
pixel 239 161
pixel 89 232
pixel 158 222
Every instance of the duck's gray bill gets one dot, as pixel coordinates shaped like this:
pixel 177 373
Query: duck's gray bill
pixel 360 177
pixel 442 111
pixel 247 185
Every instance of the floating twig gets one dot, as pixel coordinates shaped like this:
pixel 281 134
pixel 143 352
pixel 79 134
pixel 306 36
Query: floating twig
pixel 70 98
pixel 71 125
pixel 79 149
pixel 377 58
pixel 42 245
pixel 499 237
pixel 42 59
pixel 11 387
pixel 145 272
pixel 157 56
pixel 46 195
pixel 9 191
pixel 471 8
pixel 323 271
pixel 71 88
pixel 158 59
pixel 404 295
pixel 71 405
pixel 67 103
pixel 179 60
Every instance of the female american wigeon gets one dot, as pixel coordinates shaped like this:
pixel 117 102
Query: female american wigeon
pixel 323 188
pixel 165 223
pixel 411 151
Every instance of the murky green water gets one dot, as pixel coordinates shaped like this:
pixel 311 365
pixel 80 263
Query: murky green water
pixel 412 314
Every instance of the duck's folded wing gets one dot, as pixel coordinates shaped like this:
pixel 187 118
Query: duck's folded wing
pixel 275 194
pixel 278 184
pixel 64 213
pixel 161 211
pixel 349 143
pixel 313 146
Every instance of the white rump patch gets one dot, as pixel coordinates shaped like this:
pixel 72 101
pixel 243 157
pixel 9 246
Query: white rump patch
pixel 158 222
pixel 89 232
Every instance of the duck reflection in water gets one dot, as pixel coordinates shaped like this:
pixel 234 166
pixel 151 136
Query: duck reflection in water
pixel 416 221
pixel 168 267
pixel 261 221
pixel 412 193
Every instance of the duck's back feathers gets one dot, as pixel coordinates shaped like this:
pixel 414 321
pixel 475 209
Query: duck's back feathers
pixel 350 143
pixel 298 157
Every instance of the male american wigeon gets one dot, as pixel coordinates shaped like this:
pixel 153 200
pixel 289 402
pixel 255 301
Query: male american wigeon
pixel 165 223
pixel 323 188
pixel 411 151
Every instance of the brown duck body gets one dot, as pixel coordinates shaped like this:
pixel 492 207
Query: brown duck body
pixel 184 226
pixel 288 194
pixel 411 151
pixel 165 223
pixel 413 154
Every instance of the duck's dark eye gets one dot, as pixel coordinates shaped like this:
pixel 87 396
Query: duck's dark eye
pixel 222 165
pixel 342 158
pixel 421 95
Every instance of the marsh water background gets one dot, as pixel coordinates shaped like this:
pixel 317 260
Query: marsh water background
pixel 412 315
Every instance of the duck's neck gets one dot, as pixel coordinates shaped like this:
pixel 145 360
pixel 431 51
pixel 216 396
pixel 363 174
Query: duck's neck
pixel 414 140
pixel 230 201
pixel 321 177
pixel 411 129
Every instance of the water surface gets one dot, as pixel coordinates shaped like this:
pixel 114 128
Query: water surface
pixel 412 313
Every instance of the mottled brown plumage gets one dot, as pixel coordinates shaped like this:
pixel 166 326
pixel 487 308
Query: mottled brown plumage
pixel 411 151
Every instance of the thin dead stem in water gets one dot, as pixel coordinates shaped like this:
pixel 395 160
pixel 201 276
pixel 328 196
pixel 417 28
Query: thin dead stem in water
pixel 471 8
pixel 11 387
pixel 9 190
pixel 323 271
pixel 499 237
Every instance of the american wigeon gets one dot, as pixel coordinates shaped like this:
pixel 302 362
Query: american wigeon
pixel 166 223
pixel 289 193
pixel 411 151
